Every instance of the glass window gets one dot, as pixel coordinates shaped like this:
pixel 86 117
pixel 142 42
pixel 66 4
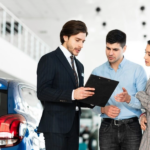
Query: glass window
pixel 3 102
pixel 86 114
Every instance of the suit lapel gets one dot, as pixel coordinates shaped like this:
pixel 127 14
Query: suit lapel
pixel 65 63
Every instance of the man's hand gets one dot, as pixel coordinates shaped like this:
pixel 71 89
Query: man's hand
pixel 143 121
pixel 111 111
pixel 123 97
pixel 83 92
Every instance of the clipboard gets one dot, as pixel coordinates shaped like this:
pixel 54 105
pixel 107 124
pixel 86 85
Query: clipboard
pixel 104 87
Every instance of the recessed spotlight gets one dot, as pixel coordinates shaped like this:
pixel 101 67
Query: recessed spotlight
pixel 98 9
pixel 142 8
pixel 104 24
pixel 143 23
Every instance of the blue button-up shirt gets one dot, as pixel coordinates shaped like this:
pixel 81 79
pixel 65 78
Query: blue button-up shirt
pixel 133 78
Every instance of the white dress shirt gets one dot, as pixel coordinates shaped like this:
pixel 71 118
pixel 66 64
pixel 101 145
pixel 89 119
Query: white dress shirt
pixel 67 55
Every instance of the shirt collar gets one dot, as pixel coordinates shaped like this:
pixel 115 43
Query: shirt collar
pixel 120 65
pixel 65 51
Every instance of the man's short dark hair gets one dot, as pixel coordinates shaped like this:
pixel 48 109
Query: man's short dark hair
pixel 116 36
pixel 72 27
pixel 148 42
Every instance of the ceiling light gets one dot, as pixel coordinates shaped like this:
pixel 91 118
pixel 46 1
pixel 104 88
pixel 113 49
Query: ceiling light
pixel 143 23
pixel 142 8
pixel 98 9
pixel 104 24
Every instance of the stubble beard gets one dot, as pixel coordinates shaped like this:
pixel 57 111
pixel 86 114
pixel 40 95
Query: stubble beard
pixel 70 49
pixel 114 61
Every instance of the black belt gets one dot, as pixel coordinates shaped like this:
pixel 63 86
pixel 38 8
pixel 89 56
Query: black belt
pixel 119 122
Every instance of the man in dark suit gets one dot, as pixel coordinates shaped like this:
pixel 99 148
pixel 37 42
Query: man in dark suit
pixel 60 79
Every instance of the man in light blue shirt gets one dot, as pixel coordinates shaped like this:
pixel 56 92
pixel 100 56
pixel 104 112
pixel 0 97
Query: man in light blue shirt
pixel 120 128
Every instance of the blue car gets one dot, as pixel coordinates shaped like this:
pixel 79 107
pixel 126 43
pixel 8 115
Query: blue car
pixel 20 113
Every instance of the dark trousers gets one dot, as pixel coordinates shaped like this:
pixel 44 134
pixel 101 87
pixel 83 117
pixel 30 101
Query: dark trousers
pixel 127 136
pixel 68 141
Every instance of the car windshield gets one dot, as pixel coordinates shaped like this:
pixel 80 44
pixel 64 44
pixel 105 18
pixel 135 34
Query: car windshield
pixel 30 98
pixel 3 102
pixel 32 105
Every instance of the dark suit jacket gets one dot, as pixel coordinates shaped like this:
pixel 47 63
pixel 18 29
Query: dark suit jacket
pixel 55 83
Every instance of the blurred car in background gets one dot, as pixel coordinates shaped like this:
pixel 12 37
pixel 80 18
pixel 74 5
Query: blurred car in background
pixel 20 113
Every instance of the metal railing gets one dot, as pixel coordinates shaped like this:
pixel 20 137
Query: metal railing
pixel 18 34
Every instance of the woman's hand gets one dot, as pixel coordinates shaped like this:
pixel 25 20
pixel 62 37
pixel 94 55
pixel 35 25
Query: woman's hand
pixel 143 122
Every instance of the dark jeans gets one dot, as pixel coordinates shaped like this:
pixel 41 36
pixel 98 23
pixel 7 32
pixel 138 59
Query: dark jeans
pixel 67 141
pixel 124 137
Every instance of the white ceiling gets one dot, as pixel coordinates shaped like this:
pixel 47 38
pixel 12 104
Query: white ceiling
pixel 46 17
